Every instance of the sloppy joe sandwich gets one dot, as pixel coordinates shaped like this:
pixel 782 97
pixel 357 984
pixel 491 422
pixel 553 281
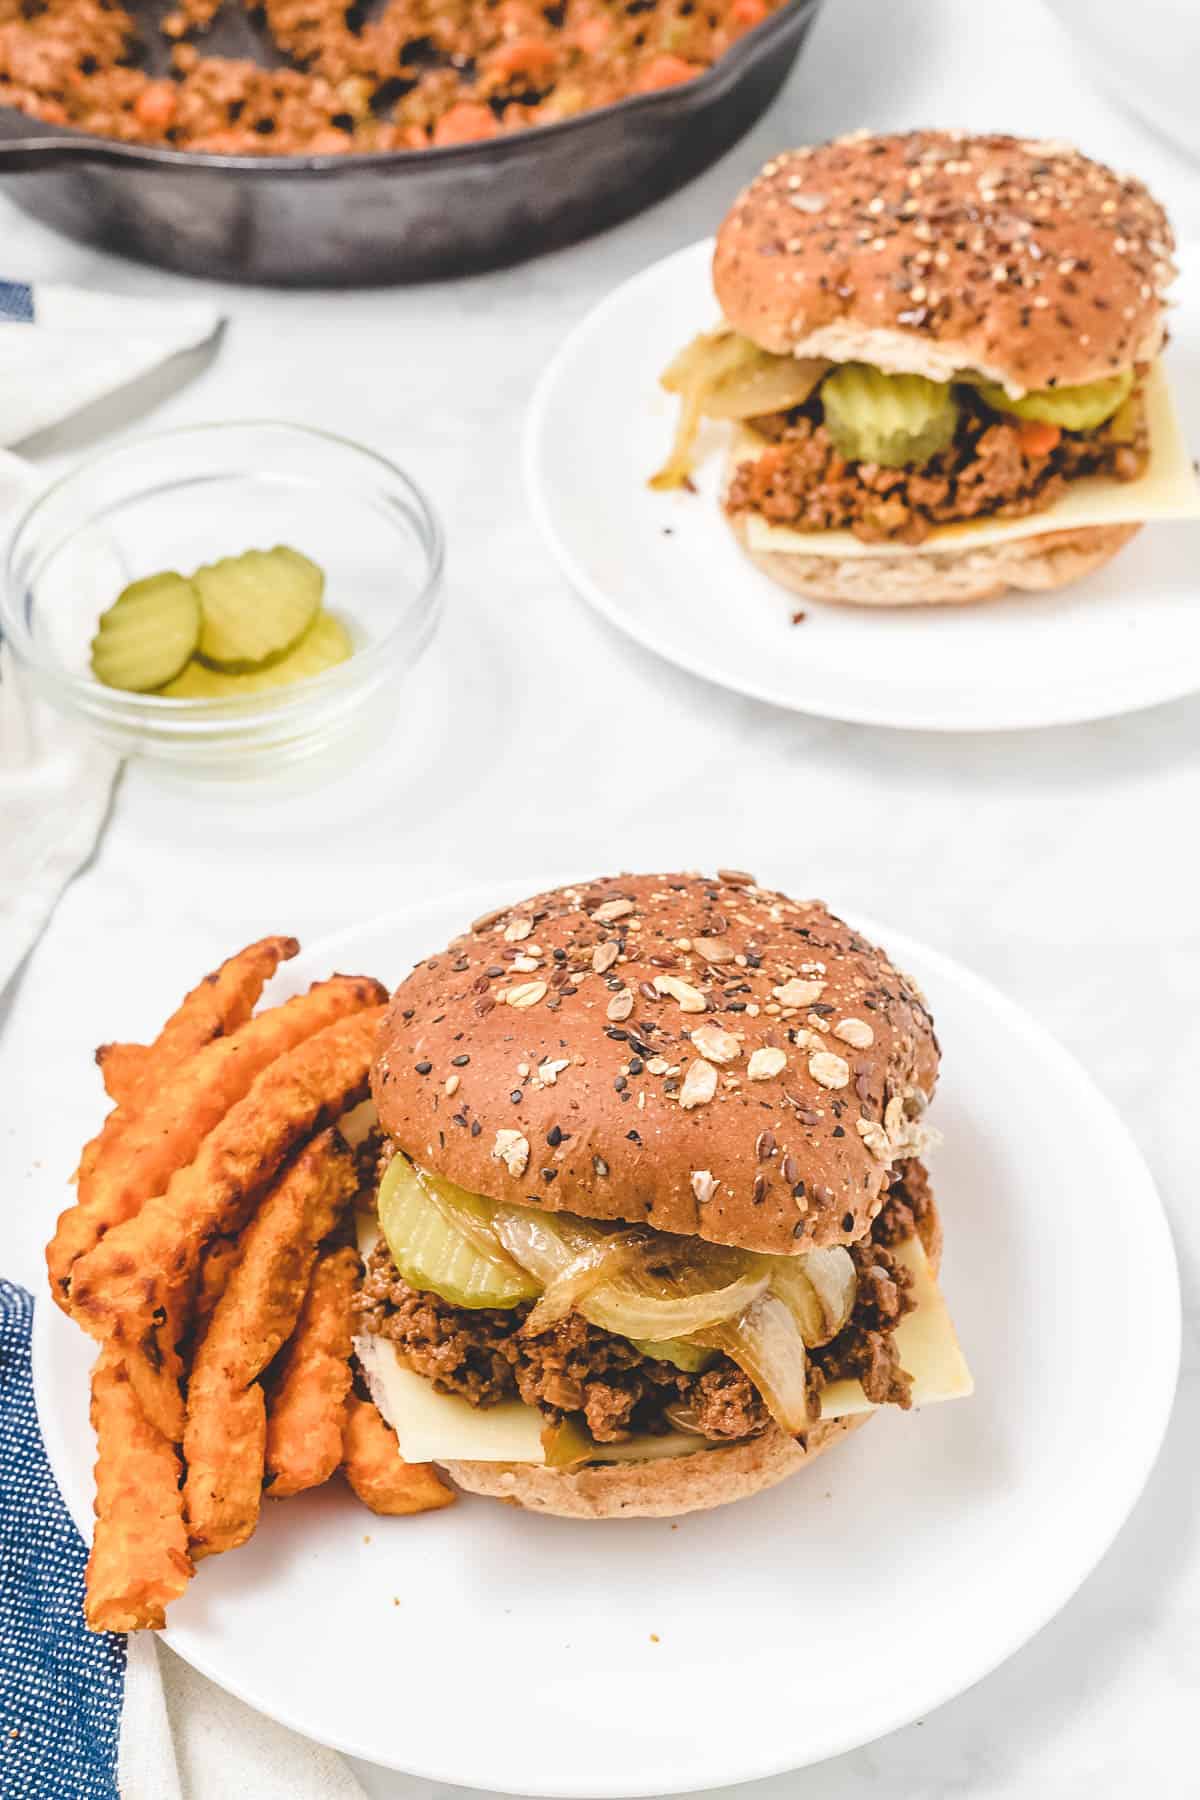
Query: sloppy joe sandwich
pixel 940 357
pixel 653 1226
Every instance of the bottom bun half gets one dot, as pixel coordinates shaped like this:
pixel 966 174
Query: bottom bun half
pixel 673 1484
pixel 653 1490
pixel 944 577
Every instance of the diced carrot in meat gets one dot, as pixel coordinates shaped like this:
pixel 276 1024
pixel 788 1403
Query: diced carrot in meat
pixel 527 56
pixel 155 105
pixel 748 12
pixel 331 142
pixel 466 123
pixel 664 71
pixel 517 15
pixel 593 34
pixel 1038 438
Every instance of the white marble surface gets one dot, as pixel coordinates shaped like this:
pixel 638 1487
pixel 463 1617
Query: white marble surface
pixel 1062 865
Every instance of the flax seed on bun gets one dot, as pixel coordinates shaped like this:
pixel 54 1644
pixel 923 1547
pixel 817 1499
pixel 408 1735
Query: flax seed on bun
pixel 935 252
pixel 703 1055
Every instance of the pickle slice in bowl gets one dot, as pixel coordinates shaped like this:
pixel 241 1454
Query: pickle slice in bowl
pixel 256 607
pixel 325 644
pixel 148 634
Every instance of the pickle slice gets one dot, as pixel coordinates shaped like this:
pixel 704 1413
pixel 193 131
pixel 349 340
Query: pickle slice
pixel 567 1444
pixel 896 420
pixel 325 644
pixel 430 1250
pixel 1079 408
pixel 691 1358
pixel 148 634
pixel 256 607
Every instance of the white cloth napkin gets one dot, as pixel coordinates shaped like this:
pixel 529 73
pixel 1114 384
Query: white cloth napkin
pixel 197 1743
pixel 55 784
pixel 61 348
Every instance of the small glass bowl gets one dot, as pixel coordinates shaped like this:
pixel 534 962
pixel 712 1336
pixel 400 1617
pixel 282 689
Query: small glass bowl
pixel 187 497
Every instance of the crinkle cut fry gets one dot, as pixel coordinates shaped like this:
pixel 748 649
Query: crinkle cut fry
pixel 139 1561
pixel 216 1266
pixel 215 1006
pixel 225 1436
pixel 122 1068
pixel 153 1356
pixel 187 1103
pixel 377 1472
pixel 149 1263
pixel 308 1388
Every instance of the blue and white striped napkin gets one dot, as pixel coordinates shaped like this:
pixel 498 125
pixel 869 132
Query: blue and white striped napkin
pixel 61 1686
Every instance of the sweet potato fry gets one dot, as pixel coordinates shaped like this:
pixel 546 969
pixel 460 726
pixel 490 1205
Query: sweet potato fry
pixel 217 1005
pixel 221 1002
pixel 122 1069
pixel 225 1436
pixel 377 1472
pixel 146 1268
pixel 153 1355
pixel 306 1392
pixel 139 1561
pixel 166 1132
pixel 216 1266
pixel 223 1490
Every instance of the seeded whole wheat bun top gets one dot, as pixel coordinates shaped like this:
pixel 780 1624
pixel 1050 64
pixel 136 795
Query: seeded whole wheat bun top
pixel 935 252
pixel 706 1056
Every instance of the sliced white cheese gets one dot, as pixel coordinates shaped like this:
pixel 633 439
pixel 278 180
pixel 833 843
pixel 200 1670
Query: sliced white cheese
pixel 355 1124
pixel 1168 490
pixel 928 1348
pixel 435 1427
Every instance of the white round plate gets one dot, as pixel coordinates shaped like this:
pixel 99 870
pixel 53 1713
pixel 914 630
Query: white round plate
pixel 485 1646
pixel 666 569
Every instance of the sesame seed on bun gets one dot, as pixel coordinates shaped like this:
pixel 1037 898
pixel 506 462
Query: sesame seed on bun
pixel 935 252
pixel 703 1055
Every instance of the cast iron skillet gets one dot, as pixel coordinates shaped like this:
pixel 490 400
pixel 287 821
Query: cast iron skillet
pixel 396 216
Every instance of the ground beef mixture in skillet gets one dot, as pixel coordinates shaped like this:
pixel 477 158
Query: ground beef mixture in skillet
pixel 401 75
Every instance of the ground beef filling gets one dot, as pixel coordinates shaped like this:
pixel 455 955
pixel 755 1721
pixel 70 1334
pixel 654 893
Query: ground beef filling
pixel 993 469
pixel 333 78
pixel 576 1369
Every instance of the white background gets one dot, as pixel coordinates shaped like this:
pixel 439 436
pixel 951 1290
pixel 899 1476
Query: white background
pixel 1060 864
